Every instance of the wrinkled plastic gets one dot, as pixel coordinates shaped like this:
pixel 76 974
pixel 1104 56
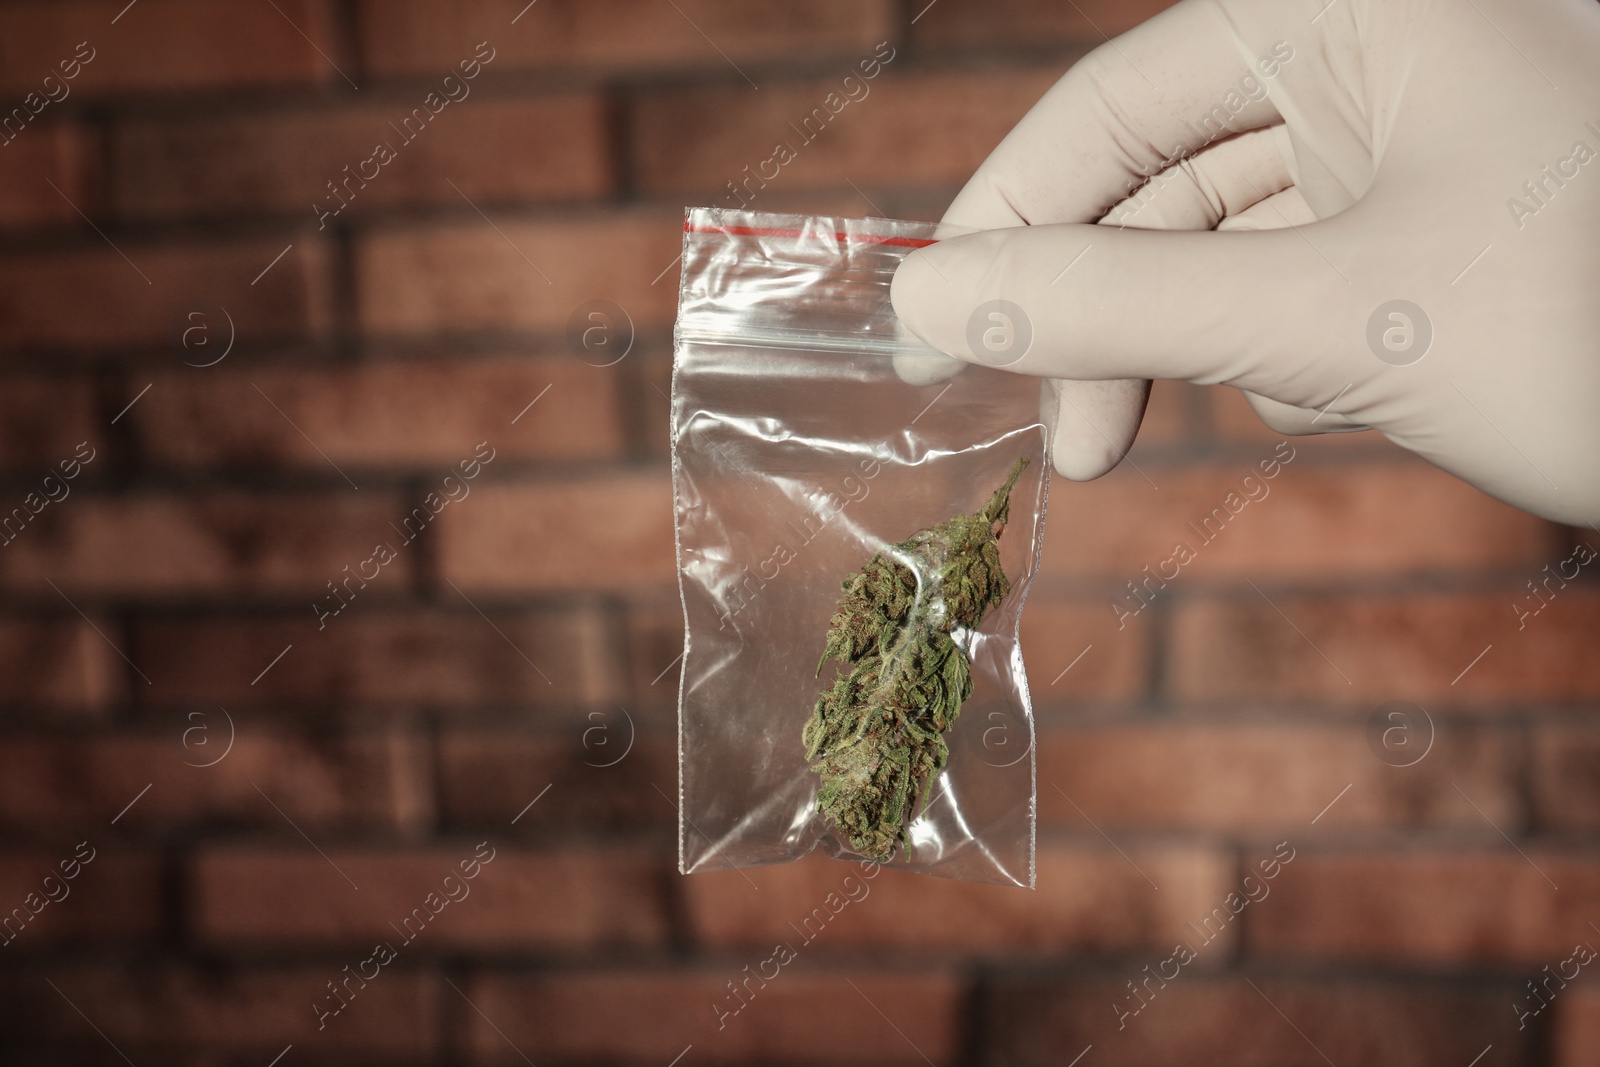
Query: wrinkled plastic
pixel 797 453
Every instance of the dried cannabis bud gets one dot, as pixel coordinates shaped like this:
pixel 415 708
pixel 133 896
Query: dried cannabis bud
pixel 876 736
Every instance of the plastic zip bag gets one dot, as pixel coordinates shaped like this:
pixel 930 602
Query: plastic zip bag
pixel 797 454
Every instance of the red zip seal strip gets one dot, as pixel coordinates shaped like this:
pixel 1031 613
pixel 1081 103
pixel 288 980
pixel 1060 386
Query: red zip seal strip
pixel 842 238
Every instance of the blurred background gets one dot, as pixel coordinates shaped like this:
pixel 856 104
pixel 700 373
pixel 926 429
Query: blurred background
pixel 243 746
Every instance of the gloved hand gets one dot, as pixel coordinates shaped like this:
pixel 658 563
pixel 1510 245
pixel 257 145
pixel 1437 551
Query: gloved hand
pixel 1409 198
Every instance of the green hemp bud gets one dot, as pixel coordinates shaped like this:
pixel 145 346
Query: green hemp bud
pixel 876 737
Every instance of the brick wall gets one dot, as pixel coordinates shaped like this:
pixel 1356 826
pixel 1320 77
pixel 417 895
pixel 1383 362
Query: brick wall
pixel 255 379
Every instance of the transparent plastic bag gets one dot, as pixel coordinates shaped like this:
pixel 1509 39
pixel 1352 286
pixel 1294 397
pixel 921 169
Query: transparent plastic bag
pixel 797 454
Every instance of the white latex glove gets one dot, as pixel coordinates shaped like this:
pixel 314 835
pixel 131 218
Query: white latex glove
pixel 1445 153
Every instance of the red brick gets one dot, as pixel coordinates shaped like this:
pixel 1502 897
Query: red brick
pixel 610 532
pixel 916 205
pixel 528 276
pixel 1090 900
pixel 59 664
pixel 161 544
pixel 910 130
pixel 1171 415
pixel 1440 909
pixel 494 150
pixel 413 36
pixel 42 423
pixel 1390 648
pixel 114 897
pixel 655 391
pixel 1115 664
pixel 1566 776
pixel 446 658
pixel 1331 521
pixel 93 297
pixel 426 413
pixel 167 1010
pixel 1028 22
pixel 602 774
pixel 1200 1021
pixel 550 901
pixel 57 151
pixel 1251 777
pixel 163 45
pixel 844 202
pixel 1577 1028
pixel 207 770
pixel 655 653
pixel 643 1016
